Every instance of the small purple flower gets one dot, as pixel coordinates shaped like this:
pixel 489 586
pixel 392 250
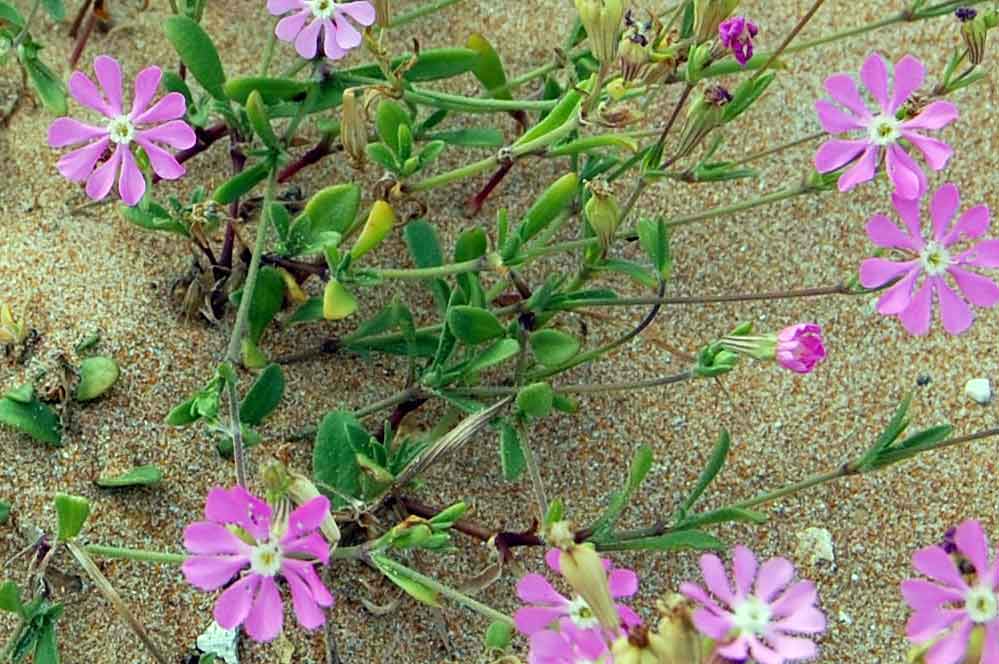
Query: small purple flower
pixel 947 609
pixel 800 348
pixel 935 259
pixel 877 137
pixel 237 534
pixel 145 126
pixel 756 619
pixel 549 609
pixel 737 34
pixel 313 20
pixel 965 14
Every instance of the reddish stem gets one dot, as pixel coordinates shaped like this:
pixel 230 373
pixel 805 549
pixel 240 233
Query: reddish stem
pixel 206 137
pixel 81 40
pixel 475 203
pixel 322 149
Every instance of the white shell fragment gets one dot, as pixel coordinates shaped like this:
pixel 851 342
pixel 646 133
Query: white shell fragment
pixel 814 545
pixel 979 389
pixel 221 642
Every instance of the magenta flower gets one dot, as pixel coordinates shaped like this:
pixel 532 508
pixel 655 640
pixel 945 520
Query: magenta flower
pixel 935 259
pixel 325 19
pixel 799 347
pixel 737 34
pixel 148 127
pixel 947 609
pixel 550 610
pixel 569 645
pixel 755 620
pixel 238 534
pixel 876 136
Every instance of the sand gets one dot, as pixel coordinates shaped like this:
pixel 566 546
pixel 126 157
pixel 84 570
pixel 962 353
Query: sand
pixel 77 272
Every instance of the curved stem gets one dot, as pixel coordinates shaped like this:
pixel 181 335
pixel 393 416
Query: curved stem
pixel 420 12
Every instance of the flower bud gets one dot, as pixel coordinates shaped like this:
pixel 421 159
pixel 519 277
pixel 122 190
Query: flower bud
pixel 708 15
pixel 635 49
pixel 582 568
pixel 301 490
pixel 380 221
pixel 383 12
pixel 640 646
pixel 975 27
pixel 736 34
pixel 798 348
pixel 676 629
pixel 602 18
pixel 602 212
pixel 354 128
pixel 705 114
pixel 11 332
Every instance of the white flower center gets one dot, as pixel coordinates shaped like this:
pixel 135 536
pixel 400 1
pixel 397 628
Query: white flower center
pixel 935 259
pixel 266 559
pixel 582 615
pixel 981 604
pixel 121 130
pixel 884 129
pixel 321 8
pixel 751 616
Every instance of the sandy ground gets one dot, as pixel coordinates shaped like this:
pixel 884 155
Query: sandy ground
pixel 76 272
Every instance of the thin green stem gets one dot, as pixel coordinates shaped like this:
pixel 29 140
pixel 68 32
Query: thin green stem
pixel 389 402
pixel 707 299
pixel 420 12
pixel 474 265
pixel 140 555
pixel 780 148
pixel 806 483
pixel 236 431
pixel 23 34
pixel 726 210
pixel 466 171
pixel 265 64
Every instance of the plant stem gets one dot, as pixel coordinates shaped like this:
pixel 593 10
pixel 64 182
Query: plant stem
pixel 474 265
pixel 236 431
pixel 707 299
pixel 141 555
pixel 22 35
pixel 766 199
pixel 265 64
pixel 420 12
pixel 780 148
pixel 391 567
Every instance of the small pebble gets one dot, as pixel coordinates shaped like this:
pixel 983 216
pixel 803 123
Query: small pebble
pixel 814 545
pixel 979 389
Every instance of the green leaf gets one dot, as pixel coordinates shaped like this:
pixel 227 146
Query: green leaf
pixel 917 443
pixel 896 426
pixel 46 651
pixel 268 297
pixel 413 587
pixel 148 475
pixel 241 184
pixel 152 217
pixel 97 375
pixel 536 399
pixel 22 393
pixel 35 419
pixel 472 137
pixel 512 457
pixel 226 447
pixel 553 347
pixel 715 463
pixel 425 248
pixel 174 83
pixel 746 94
pixel 637 272
pixel 641 463
pixel 499 636
pixel 331 209
pixel 389 117
pixel 382 155
pixel 472 325
pixel 10 598
pixel 723 515
pixel 71 514
pixel 499 352
pixel 55 8
pixel 653 235
pixel 488 67
pixel 430 65
pixel 272 90
pixel 261 122
pixel 339 439
pixel 677 541
pixel 263 397
pixel 548 206
pixel 198 53
pixel 9 14
pixel 309 312
pixel 4 512
pixel 49 87
pixel 183 414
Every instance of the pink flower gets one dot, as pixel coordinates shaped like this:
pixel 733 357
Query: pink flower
pixel 328 18
pixel 934 258
pixel 238 534
pixel 737 34
pixel 875 136
pixel 946 612
pixel 755 620
pixel 570 645
pixel 550 610
pixel 145 126
pixel 799 347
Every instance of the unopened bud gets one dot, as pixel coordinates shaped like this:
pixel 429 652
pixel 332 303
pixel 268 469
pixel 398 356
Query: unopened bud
pixel 584 571
pixel 708 15
pixel 684 644
pixel 635 49
pixel 975 28
pixel 602 212
pixel 380 221
pixel 602 18
pixel 706 114
pixel 354 128
pixel 301 490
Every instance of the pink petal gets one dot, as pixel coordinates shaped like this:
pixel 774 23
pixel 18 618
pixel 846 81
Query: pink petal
pixel 884 233
pixel 843 89
pixel 86 93
pixel 362 12
pixel 805 621
pixel 332 49
pixel 862 171
pixel 146 84
pixel 711 625
pixel 79 164
pixel 738 650
pixel 163 163
pixel 347 36
pixel 308 517
pixel 799 596
pixel 762 654
pixel 622 583
pixel 956 314
pixel 278 7
pixel 793 648
pixel 307 611
pixel 951 648
pixel 176 133
pixel 307 572
pixel 983 254
pixel 289 27
pixel 628 617
pixel 924 625
pixel 990 649
pixel 874 74
pixel 239 506
pixel 100 181
pixel 312 545
pixel 909 210
pixel 172 106
pixel 552 557
pixel 980 291
pixel 973 223
pixel 536 589
pixel 897 298
pixel 211 572
pixel 743 570
pixel 834 120
pixel 943 207
pixel 922 595
pixel 67 131
pixel 267 615
pixel 909 180
pixel 131 182
pixel 234 604
pixel 210 538
pixel 935 563
pixel 694 592
pixel 909 75
pixel 775 574
pixel 916 317
pixel 835 153
pixel 307 41
pixel 715 579
pixel 108 73
pixel 934 151
pixel 936 115
pixel 531 619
